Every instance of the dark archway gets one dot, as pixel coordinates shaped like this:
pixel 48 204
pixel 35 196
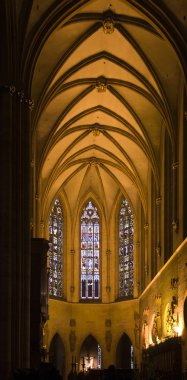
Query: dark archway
pixel 90 354
pixel 124 353
pixel 57 354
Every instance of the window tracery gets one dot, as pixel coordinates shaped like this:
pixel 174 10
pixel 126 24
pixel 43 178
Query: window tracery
pixel 90 252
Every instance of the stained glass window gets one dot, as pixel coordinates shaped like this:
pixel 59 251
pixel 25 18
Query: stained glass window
pixel 55 250
pixel 126 250
pixel 132 357
pixel 90 252
pixel 99 356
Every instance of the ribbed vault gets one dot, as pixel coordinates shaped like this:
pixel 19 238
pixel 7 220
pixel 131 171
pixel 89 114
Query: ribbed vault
pixel 100 82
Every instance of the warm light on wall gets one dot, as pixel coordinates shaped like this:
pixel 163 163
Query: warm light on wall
pixel 175 331
pixel 174 283
pixel 179 328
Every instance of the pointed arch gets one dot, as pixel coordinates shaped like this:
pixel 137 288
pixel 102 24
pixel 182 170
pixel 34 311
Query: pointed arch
pixel 56 223
pixel 57 353
pixel 126 250
pixel 90 252
pixel 124 353
pixel 90 354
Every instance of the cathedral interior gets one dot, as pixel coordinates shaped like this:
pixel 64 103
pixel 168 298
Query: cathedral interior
pixel 93 203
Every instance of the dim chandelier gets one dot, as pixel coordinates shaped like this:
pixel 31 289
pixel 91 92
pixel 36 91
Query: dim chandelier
pixel 94 190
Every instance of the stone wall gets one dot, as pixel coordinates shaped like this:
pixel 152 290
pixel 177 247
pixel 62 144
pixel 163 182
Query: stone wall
pixel 107 322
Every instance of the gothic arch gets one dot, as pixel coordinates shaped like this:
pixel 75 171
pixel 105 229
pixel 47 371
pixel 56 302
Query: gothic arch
pixel 124 352
pixel 57 353
pixel 89 351
pixel 89 195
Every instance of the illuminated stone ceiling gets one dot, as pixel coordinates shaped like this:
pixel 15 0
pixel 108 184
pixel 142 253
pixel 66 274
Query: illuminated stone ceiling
pixel 105 89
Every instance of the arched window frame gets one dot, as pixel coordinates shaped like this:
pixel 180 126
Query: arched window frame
pixel 84 269
pixel 56 239
pixel 125 267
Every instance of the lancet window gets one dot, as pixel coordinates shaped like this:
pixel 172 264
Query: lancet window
pixel 126 250
pixel 90 252
pixel 55 249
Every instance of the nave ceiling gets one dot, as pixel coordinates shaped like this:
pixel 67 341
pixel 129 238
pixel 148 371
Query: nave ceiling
pixel 105 82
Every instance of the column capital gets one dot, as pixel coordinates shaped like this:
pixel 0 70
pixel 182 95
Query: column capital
pixel 72 251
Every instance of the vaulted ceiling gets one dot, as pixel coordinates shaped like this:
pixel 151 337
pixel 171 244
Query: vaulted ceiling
pixel 105 88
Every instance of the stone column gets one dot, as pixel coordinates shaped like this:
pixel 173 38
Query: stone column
pixel 175 166
pixel 72 287
pixel 158 238
pixel 6 227
pixel 108 288
pixel 183 176
pixel 6 224
pixel 39 297
pixel 146 228
pixel 136 269
pixel 15 219
pixel 14 202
